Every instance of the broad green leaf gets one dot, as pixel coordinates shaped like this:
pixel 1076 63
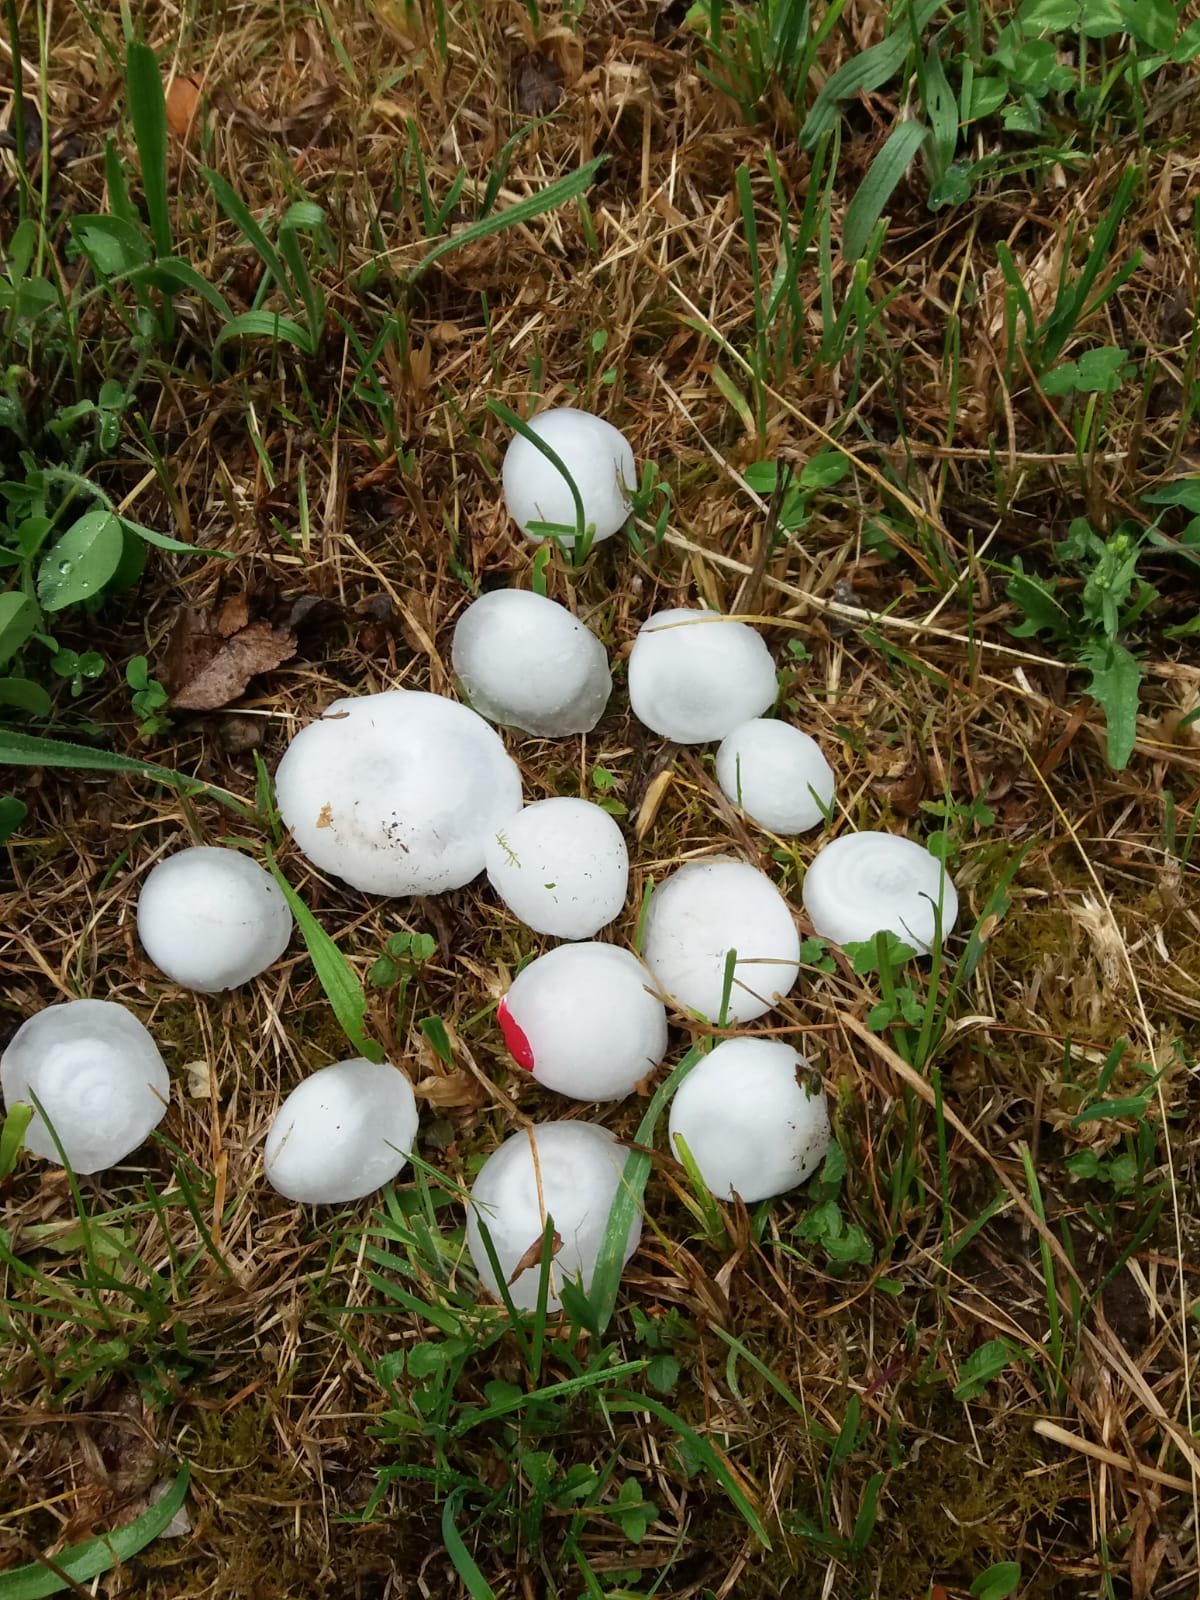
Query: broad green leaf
pixel 19 616
pixel 24 695
pixel 171 275
pixel 337 977
pixel 823 470
pixel 987 96
pixel 877 188
pixel 1115 685
pixel 997 1583
pixel 88 1560
pixel 941 108
pixel 110 244
pixel 1100 370
pixel 148 112
pixel 1183 492
pixel 984 1364
pixel 865 72
pixel 81 562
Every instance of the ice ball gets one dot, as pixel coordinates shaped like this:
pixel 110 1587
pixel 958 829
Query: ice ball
pixel 776 774
pixel 696 675
pixel 342 1133
pixel 211 918
pixel 599 460
pixel 98 1076
pixel 560 866
pixel 526 662
pixel 584 1020
pixel 698 915
pixel 568 1171
pixel 396 793
pixel 868 883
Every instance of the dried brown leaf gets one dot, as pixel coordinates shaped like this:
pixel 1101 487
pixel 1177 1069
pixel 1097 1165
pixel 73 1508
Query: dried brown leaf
pixel 533 1256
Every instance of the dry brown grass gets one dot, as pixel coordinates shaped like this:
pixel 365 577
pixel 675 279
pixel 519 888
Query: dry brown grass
pixel 1086 1476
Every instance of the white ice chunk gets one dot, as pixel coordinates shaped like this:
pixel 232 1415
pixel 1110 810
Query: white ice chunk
pixel 696 675
pixel 574 1180
pixel 397 792
pixel 702 912
pixel 868 883
pixel 525 661
pixel 599 460
pixel 585 1021
pixel 776 774
pixel 98 1076
pixel 560 866
pixel 342 1133
pixel 750 1120
pixel 211 918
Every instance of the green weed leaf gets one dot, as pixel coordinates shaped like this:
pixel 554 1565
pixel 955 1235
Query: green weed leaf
pixel 880 183
pixel 866 72
pixel 80 563
pixel 19 616
pixel 997 1583
pixel 1115 686
pixel 982 1365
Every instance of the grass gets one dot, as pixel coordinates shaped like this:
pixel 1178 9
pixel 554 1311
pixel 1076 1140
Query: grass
pixel 898 306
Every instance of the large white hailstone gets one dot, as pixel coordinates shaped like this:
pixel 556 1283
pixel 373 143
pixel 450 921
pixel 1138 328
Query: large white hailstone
pixel 696 675
pixel 573 1179
pixel 750 1121
pixel 702 912
pixel 525 661
pixel 397 793
pixel 560 866
pixel 341 1134
pixel 212 918
pixel 98 1076
pixel 599 460
pixel 776 774
pixel 868 883
pixel 583 1020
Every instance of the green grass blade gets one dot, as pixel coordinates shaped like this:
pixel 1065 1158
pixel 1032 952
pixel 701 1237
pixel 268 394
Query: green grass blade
pixel 236 209
pixel 548 199
pixel 337 977
pixel 27 750
pixel 12 1136
pixel 148 110
pixel 877 188
pixel 461 1558
pixel 95 1556
pixel 266 325
pixel 862 74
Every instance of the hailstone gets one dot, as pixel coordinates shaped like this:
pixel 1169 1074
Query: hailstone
pixel 342 1133
pixel 696 675
pixel 698 915
pixel 397 792
pixel 569 1171
pixel 560 866
pixel 597 457
pixel 526 662
pixel 776 774
pixel 750 1120
pixel 211 918
pixel 98 1076
pixel 868 883
pixel 584 1021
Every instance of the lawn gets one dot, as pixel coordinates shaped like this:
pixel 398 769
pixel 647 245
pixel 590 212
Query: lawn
pixel 897 306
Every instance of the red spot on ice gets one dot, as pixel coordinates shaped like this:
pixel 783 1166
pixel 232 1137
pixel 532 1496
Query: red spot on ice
pixel 514 1038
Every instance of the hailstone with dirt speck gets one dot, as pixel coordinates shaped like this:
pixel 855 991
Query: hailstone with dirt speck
pixel 342 1133
pixel 560 866
pixel 696 675
pixel 698 915
pixel 397 793
pixel 526 662
pixel 573 1180
pixel 867 883
pixel 211 918
pixel 776 774
pixel 585 1021
pixel 751 1120
pixel 599 460
pixel 98 1077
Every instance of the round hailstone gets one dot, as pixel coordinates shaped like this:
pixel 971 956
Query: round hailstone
pixel 696 675
pixel 212 918
pixel 776 774
pixel 749 1120
pixel 583 1020
pixel 561 867
pixel 702 912
pixel 599 460
pixel 868 883
pixel 342 1133
pixel 396 793
pixel 525 661
pixel 574 1181
pixel 98 1076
